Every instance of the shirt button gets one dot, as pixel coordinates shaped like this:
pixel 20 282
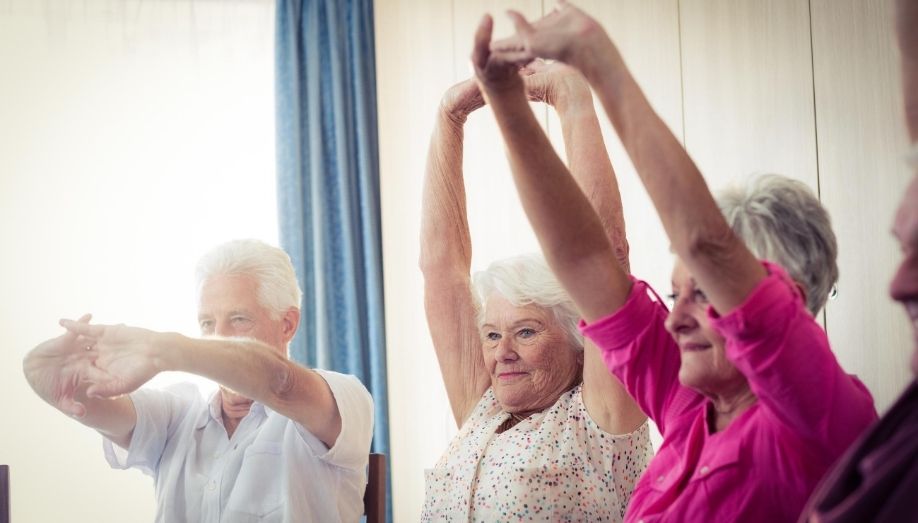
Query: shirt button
pixel 212 486
pixel 660 479
pixel 704 470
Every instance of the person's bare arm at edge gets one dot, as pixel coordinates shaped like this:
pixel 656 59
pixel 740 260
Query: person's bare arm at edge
pixel 566 226
pixel 565 89
pixel 128 357
pixel 58 371
pixel 446 256
pixel 699 234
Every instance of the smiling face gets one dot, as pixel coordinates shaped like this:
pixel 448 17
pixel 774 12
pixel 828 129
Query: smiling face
pixel 229 307
pixel 904 285
pixel 705 366
pixel 528 355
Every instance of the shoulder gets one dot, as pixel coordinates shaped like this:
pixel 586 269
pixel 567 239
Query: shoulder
pixel 346 387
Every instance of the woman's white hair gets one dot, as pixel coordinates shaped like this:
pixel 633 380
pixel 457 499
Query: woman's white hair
pixel 278 289
pixel 525 280
pixel 781 220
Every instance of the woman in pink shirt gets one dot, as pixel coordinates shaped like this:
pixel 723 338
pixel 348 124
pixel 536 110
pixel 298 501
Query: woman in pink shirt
pixel 751 402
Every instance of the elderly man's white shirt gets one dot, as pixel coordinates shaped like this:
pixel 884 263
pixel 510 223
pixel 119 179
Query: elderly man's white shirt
pixel 272 469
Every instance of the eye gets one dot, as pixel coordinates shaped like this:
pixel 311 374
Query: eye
pixel 206 325
pixel 239 319
pixel 699 297
pixel 492 336
pixel 526 333
pixel 671 298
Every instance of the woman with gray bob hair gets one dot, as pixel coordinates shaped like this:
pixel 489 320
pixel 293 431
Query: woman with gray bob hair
pixel 278 290
pixel 752 405
pixel 781 220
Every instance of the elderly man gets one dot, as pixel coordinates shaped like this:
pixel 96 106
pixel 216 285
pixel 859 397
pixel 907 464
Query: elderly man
pixel 877 479
pixel 277 442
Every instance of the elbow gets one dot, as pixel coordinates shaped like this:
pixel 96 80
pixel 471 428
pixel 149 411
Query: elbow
pixel 708 244
pixel 283 381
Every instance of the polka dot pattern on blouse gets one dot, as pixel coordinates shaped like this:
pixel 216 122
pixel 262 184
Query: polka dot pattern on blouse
pixel 556 465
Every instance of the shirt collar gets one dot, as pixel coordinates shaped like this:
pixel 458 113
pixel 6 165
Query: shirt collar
pixel 214 411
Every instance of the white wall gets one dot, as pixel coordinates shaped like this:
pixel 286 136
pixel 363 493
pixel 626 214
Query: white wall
pixel 806 88
pixel 133 136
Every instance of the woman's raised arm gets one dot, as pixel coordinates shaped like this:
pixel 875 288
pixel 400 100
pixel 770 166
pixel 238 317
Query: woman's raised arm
pixel 446 256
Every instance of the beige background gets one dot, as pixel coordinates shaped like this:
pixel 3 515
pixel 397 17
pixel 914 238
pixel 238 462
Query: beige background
pixel 133 136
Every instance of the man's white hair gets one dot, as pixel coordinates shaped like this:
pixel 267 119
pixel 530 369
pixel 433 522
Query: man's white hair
pixel 278 290
pixel 781 220
pixel 525 280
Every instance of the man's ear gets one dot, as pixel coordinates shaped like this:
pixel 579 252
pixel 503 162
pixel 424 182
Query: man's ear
pixel 291 320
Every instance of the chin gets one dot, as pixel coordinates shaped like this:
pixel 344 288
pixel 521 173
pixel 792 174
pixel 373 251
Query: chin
pixel 691 373
pixel 511 400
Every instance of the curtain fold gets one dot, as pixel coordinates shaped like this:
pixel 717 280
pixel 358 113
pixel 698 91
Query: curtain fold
pixel 328 188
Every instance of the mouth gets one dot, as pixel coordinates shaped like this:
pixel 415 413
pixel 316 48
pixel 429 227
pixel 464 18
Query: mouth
pixel 509 376
pixel 911 308
pixel 694 346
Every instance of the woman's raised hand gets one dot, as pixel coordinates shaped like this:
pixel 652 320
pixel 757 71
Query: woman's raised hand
pixel 566 34
pixel 554 83
pixel 493 72
pixel 462 99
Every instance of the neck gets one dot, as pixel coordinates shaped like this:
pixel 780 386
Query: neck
pixel 727 407
pixel 230 424
pixel 514 419
pixel 233 408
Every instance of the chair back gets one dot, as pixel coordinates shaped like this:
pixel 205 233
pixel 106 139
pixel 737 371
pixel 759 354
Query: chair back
pixel 374 498
pixel 4 494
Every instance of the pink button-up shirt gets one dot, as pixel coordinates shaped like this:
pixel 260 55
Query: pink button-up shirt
pixel 763 466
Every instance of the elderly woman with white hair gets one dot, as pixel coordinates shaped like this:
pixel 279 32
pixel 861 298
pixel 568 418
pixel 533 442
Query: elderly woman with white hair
pixel 739 376
pixel 546 433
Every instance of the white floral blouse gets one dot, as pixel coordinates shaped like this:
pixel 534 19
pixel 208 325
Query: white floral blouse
pixel 557 465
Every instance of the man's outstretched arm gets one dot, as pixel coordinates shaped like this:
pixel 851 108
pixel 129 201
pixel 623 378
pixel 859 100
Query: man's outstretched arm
pixel 128 357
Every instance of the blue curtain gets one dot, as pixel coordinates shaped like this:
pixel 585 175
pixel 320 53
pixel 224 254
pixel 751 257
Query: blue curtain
pixel 328 188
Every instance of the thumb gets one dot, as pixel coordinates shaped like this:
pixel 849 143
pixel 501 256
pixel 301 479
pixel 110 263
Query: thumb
pixel 482 50
pixel 519 22
pixel 72 408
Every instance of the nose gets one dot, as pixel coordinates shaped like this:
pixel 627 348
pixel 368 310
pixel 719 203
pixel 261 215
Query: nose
pixel 506 351
pixel 904 285
pixel 680 319
pixel 223 328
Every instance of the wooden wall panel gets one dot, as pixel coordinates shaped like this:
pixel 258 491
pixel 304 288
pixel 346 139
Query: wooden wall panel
pixel 647 35
pixel 748 89
pixel 862 140
pixel 498 225
pixel 413 62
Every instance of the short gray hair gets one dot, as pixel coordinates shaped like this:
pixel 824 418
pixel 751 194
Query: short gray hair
pixel 527 280
pixel 278 290
pixel 781 220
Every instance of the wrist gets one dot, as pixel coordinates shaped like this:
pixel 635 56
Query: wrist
pixel 599 58
pixel 511 89
pixel 452 116
pixel 164 351
pixel 573 100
